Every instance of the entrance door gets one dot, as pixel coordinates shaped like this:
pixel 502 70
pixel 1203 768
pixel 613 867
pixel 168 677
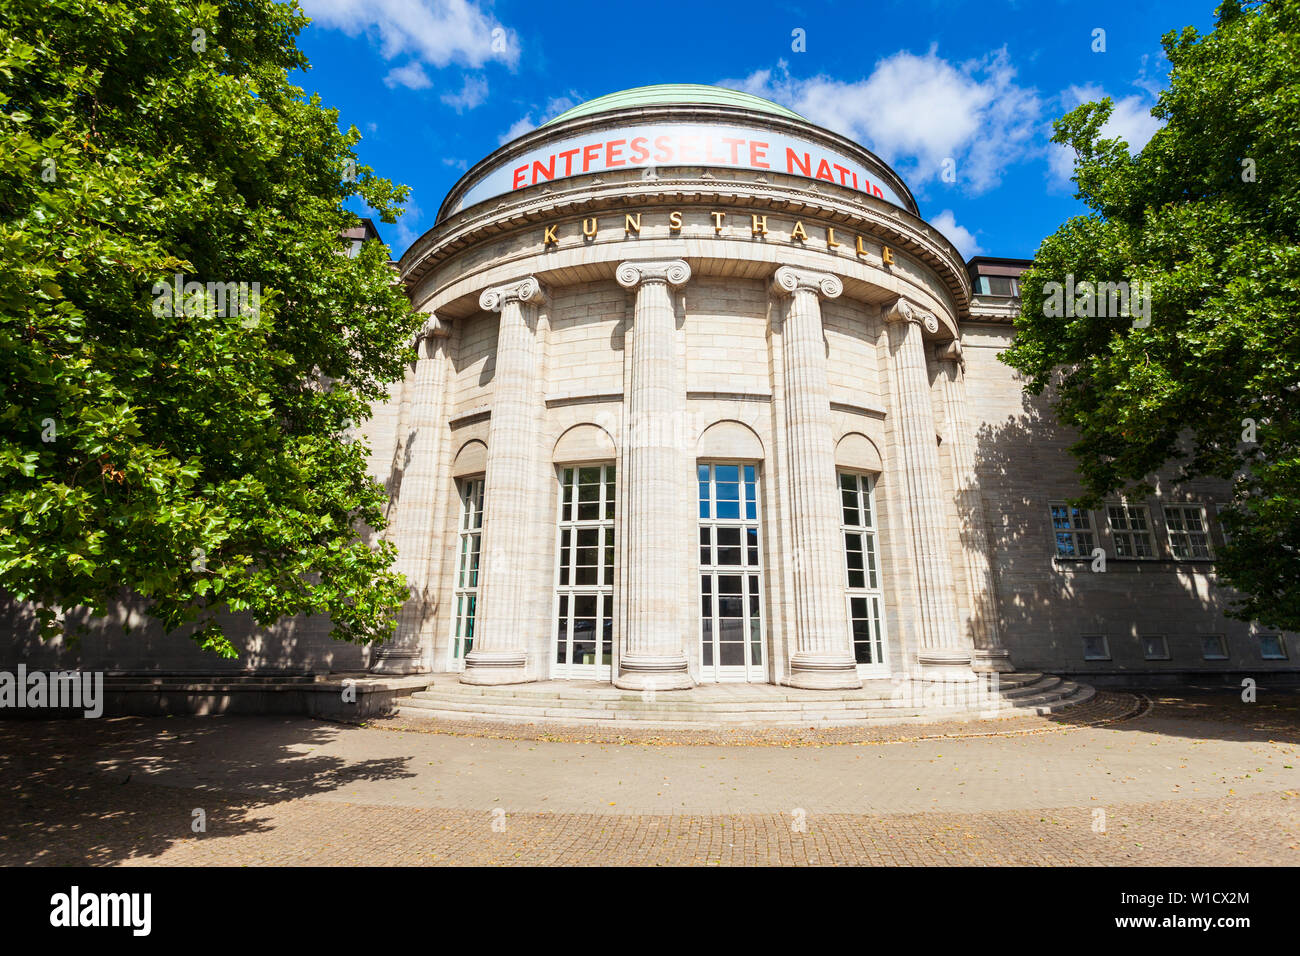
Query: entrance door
pixel 469 544
pixel 583 648
pixel 731 575
pixel 863 593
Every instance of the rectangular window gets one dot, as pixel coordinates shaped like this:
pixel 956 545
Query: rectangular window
pixel 1214 647
pixel 1189 538
pixel 862 572
pixel 1130 529
pixel 1218 516
pixel 1001 285
pixel 1272 647
pixel 1155 649
pixel 468 547
pixel 1073 530
pixel 584 591
pixel 1096 647
pixel 731 574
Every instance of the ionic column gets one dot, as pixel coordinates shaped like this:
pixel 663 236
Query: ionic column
pixel 652 650
pixel 823 648
pixel 943 654
pixel 989 653
pixel 419 442
pixel 510 505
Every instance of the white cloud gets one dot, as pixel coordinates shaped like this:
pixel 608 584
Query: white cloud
pixel 461 164
pixel 1130 119
pixel 437 32
pixel 411 75
pixel 917 111
pixel 520 126
pixel 959 236
pixel 554 107
pixel 472 93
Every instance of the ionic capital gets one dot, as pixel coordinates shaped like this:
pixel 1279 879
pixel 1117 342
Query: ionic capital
pixel 674 272
pixel 433 327
pixel 950 352
pixel 904 311
pixel 787 281
pixel 520 290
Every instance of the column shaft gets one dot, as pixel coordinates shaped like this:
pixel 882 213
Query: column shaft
pixel 942 655
pixel 410 651
pixel 823 651
pixel 652 652
pixel 510 502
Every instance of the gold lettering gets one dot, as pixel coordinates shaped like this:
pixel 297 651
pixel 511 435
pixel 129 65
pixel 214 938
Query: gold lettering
pixel 861 249
pixel 717 220
pixel 798 232
pixel 886 257
pixel 830 238
pixel 760 225
pixel 631 225
pixel 549 236
pixel 675 221
pixel 589 227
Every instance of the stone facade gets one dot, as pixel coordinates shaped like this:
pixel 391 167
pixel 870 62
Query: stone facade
pixel 731 424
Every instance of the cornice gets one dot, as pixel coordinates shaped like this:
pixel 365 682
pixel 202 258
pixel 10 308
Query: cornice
pixel 535 205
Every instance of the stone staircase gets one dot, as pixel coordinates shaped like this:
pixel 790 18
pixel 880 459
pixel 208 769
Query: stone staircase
pixel 574 703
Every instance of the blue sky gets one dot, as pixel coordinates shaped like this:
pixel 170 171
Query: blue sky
pixel 918 82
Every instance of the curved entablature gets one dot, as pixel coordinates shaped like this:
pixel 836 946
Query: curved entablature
pixel 453 289
pixel 759 222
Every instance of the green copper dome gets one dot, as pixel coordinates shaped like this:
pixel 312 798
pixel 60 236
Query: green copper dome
pixel 674 94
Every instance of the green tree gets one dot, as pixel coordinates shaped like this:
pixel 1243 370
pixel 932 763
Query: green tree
pixel 187 451
pixel 1209 214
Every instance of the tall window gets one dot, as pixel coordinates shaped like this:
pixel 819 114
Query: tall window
pixel 731 574
pixel 469 545
pixel 858 523
pixel 1130 529
pixel 1073 530
pixel 584 616
pixel 1188 536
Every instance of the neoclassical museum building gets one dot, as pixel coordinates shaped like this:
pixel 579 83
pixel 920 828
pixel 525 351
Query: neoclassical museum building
pixel 701 397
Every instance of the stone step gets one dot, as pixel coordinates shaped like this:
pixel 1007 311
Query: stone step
pixel 662 704
pixel 677 711
pixel 590 702
pixel 617 722
pixel 847 712
pixel 1042 685
pixel 670 703
pixel 779 701
pixel 526 694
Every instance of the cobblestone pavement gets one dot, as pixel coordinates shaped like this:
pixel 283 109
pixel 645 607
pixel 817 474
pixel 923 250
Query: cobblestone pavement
pixel 1203 781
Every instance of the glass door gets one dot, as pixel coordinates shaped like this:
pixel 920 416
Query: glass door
pixel 465 596
pixel 863 593
pixel 583 647
pixel 731 575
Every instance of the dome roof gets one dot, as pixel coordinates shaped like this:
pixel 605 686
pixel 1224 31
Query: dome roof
pixel 674 94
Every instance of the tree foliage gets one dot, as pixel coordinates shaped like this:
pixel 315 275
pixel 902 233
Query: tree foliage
pixel 197 456
pixel 1209 214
